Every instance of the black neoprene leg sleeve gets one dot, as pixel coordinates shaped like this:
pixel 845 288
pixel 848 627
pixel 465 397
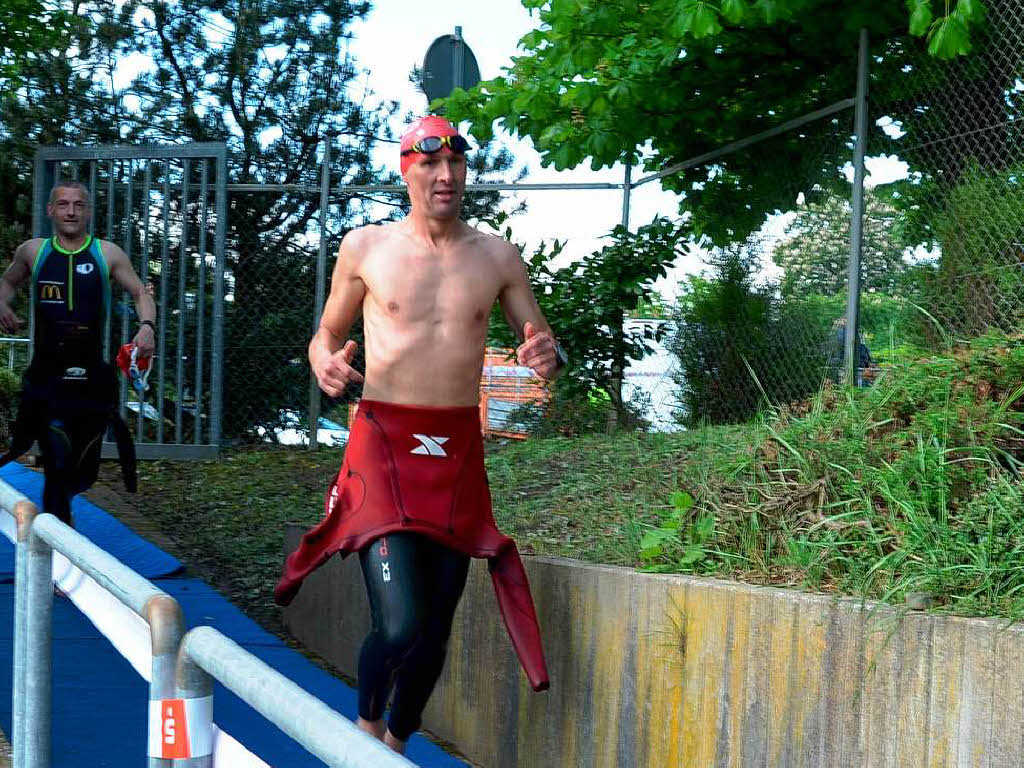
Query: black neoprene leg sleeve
pixel 414 586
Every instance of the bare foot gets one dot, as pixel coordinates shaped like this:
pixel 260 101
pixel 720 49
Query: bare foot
pixel 375 728
pixel 395 744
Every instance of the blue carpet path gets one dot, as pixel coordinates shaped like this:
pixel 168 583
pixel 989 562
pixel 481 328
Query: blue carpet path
pixel 100 703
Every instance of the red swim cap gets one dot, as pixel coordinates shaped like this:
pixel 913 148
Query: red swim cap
pixel 429 125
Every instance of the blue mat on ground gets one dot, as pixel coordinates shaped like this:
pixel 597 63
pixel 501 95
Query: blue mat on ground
pixel 100 703
pixel 105 531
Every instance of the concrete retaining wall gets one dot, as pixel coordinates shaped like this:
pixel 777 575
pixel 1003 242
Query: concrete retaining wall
pixel 653 670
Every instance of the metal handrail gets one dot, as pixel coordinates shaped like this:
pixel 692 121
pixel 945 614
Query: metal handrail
pixel 207 655
pixel 37 537
pixel 183 667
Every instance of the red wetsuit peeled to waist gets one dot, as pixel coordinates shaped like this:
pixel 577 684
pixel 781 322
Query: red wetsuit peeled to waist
pixel 417 469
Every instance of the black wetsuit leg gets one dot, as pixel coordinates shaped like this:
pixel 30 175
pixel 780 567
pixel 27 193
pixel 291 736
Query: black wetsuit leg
pixel 414 586
pixel 57 454
pixel 70 450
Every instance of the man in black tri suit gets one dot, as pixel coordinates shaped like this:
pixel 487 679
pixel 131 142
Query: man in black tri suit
pixel 69 392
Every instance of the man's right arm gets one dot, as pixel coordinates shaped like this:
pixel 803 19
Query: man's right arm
pixel 15 275
pixel 330 355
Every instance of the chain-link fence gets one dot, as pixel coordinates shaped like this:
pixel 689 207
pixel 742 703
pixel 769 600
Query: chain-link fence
pixel 956 125
pixel 764 323
pixel 942 250
pixel 271 285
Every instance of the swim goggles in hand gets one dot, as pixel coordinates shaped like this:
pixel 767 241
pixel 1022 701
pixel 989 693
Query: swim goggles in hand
pixel 136 368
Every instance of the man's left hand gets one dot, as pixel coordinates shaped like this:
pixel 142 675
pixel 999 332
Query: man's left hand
pixel 538 352
pixel 145 341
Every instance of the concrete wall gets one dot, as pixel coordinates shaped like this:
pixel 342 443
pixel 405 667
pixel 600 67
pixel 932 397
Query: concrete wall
pixel 653 670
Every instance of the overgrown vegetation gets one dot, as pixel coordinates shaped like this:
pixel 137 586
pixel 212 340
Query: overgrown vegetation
pixel 912 485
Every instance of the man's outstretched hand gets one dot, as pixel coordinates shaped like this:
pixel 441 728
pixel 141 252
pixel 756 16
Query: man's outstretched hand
pixel 9 321
pixel 335 372
pixel 538 352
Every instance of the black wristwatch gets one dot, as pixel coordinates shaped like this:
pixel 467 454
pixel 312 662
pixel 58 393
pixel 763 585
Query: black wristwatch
pixel 150 323
pixel 561 356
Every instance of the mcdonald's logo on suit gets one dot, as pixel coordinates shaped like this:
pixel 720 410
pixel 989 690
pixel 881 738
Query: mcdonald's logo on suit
pixel 50 292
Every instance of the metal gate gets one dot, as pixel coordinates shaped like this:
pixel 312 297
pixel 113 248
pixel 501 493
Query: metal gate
pixel 166 206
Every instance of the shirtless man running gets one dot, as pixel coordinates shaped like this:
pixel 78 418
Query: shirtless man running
pixel 411 497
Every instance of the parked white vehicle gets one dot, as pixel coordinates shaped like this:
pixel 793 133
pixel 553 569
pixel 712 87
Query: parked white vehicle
pixel 292 433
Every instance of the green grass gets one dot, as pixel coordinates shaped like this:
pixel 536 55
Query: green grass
pixel 912 485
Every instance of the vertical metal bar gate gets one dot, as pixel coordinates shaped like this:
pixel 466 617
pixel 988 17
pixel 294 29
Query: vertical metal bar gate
pixel 158 210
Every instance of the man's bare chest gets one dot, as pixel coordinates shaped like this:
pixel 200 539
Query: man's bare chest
pixel 413 287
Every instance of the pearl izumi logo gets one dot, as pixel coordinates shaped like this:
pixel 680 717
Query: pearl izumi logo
pixel 74 373
pixel 430 445
pixel 84 269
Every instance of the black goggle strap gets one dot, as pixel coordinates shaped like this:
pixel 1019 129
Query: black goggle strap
pixel 431 144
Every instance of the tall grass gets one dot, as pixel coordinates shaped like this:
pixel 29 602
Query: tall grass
pixel 910 486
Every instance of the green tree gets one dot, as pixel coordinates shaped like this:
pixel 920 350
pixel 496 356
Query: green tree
pixel 272 80
pixel 683 77
pixel 60 98
pixel 587 303
pixel 739 347
pixel 978 283
pixel 28 29
pixel 815 251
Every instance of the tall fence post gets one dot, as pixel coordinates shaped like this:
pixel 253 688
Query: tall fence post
pixel 321 289
pixel 217 341
pixel 36 638
pixel 857 213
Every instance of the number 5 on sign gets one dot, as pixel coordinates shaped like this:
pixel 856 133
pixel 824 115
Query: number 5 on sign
pixel 181 728
pixel 169 726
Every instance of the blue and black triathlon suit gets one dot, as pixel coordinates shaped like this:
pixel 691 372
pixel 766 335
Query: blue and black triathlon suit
pixel 69 393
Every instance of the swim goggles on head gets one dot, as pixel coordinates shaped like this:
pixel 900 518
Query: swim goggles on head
pixel 431 144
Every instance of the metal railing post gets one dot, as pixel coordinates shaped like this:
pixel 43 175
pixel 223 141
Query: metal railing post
pixel 24 513
pixel 193 683
pixel 207 655
pixel 48 534
pixel 37 655
pixel 166 627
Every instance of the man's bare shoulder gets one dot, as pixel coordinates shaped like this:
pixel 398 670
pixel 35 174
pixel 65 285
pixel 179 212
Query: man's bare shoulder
pixel 111 251
pixel 27 251
pixel 363 241
pixel 494 247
